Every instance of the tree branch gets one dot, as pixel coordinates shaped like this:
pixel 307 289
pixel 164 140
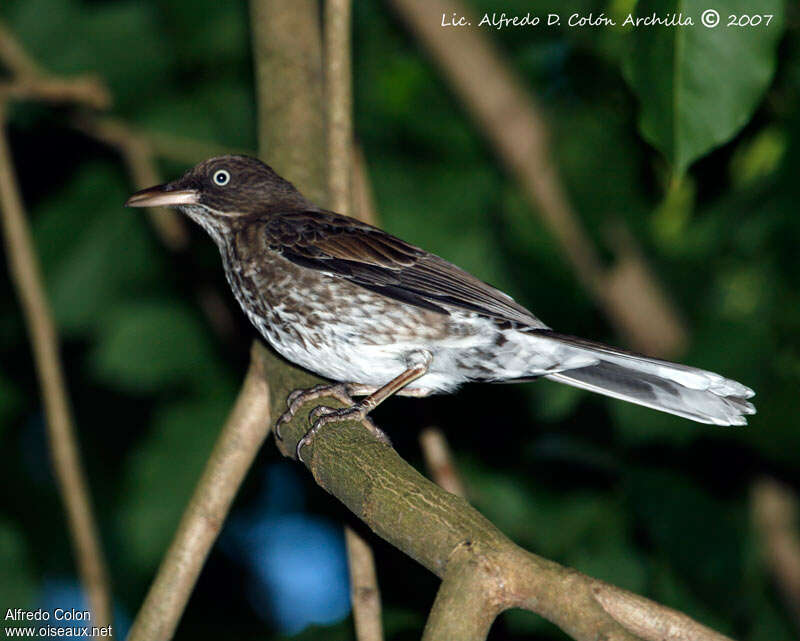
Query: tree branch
pixel 241 438
pixel 179 149
pixel 288 61
pixel 364 593
pixel 467 602
pixel 14 56
pixel 432 525
pixel 339 100
pixel 67 466
pixel 648 620
pixel 775 516
pixel 85 90
pixel 439 461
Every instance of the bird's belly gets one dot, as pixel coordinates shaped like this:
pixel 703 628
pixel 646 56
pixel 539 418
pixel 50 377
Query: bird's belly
pixel 372 351
pixel 328 325
pixel 347 333
pixel 360 338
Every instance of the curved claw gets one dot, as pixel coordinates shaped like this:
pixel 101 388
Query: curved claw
pixel 306 440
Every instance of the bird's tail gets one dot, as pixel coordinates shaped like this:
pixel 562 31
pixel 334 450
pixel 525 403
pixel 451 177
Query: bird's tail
pixel 693 393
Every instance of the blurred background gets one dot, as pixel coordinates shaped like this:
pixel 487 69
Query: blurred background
pixel 655 207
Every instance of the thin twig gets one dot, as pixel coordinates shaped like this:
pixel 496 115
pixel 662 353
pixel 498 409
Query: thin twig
pixel 439 461
pixel 86 90
pixel 68 469
pixel 364 593
pixel 775 515
pixel 241 438
pixel 14 56
pixel 179 149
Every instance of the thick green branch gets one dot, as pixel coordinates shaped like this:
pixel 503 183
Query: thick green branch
pixel 424 521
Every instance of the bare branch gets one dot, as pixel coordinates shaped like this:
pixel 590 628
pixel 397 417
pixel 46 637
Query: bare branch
pixel 468 601
pixel 118 133
pixel 67 466
pixel 14 56
pixel 364 592
pixel 775 515
pixel 86 90
pixel 30 81
pixel 439 461
pixel 649 620
pixel 513 123
pixel 432 525
pixel 288 63
pixel 339 99
pixel 241 438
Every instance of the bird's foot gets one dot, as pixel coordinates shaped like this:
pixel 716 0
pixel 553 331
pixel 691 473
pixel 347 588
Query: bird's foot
pixel 300 397
pixel 321 416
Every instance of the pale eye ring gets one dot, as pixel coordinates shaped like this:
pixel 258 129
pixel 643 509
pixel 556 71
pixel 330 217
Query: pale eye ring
pixel 221 177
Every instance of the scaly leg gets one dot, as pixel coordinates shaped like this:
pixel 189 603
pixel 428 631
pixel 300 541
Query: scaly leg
pixel 418 364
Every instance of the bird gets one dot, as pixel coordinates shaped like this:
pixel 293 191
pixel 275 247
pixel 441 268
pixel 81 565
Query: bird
pixel 379 316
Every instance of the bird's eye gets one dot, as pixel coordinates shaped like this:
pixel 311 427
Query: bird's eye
pixel 221 177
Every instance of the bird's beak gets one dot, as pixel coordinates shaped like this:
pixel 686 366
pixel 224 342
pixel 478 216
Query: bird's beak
pixel 163 196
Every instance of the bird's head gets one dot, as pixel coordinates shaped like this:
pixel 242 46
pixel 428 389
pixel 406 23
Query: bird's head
pixel 221 190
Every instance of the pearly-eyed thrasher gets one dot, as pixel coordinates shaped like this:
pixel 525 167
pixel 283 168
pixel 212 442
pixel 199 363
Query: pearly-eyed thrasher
pixel 380 316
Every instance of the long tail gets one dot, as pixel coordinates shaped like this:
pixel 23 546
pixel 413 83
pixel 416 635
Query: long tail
pixel 685 391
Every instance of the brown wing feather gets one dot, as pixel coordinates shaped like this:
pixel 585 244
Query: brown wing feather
pixel 370 257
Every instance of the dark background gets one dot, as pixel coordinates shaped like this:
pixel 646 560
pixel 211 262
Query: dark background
pixel 650 502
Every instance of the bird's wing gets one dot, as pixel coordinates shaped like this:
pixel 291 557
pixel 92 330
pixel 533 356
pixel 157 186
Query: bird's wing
pixel 365 255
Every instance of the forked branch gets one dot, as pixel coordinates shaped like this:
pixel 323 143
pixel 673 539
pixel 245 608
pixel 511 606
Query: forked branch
pixel 443 532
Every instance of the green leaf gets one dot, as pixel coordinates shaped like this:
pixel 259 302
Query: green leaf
pixel 146 346
pixel 699 86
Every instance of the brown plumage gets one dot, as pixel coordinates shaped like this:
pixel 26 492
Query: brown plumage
pixel 369 310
